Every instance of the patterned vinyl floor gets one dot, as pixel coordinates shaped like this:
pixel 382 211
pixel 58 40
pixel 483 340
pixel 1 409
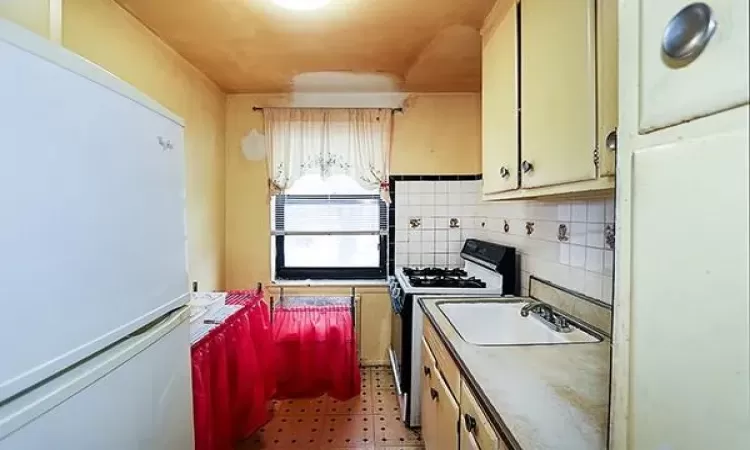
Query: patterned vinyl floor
pixel 368 422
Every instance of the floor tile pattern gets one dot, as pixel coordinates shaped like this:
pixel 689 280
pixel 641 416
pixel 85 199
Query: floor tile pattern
pixel 367 422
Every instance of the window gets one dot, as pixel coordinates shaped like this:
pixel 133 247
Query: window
pixel 329 229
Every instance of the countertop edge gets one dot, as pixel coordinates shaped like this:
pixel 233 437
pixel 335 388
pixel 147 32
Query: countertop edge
pixel 485 403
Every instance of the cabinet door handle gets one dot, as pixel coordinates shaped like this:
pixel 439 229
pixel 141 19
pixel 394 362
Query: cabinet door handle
pixel 611 140
pixel 527 167
pixel 433 393
pixel 687 34
pixel 504 172
pixel 426 371
pixel 470 423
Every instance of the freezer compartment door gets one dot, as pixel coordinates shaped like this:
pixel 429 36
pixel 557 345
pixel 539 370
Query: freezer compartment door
pixel 136 395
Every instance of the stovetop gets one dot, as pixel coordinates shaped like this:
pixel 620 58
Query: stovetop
pixel 433 272
pixel 435 277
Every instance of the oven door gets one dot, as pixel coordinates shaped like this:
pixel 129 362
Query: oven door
pixel 395 352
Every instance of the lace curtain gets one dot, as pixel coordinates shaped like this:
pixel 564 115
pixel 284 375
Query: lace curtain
pixel 353 142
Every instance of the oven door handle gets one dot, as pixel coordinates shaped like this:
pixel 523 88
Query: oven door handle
pixel 396 375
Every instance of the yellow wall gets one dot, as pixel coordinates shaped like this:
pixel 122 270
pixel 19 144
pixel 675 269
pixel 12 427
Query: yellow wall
pixel 104 33
pixel 32 14
pixel 436 134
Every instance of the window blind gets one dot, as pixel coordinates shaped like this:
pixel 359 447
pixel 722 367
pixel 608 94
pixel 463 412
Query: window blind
pixel 364 214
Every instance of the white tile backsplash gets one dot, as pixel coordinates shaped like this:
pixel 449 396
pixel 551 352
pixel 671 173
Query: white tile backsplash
pixel 583 263
pixel 563 212
pixel 609 210
pixel 594 259
pixel 595 212
pixel 595 235
pixel 578 232
pixel 578 212
pixel 563 256
pixel 577 256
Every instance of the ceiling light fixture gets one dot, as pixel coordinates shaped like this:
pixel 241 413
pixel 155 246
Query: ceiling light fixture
pixel 302 5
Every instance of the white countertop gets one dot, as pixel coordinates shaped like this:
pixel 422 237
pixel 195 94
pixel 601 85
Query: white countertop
pixel 552 397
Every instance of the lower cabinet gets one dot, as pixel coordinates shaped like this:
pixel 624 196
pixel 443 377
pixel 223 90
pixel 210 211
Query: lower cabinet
pixel 451 418
pixel 468 441
pixel 476 432
pixel 447 416
pixel 429 408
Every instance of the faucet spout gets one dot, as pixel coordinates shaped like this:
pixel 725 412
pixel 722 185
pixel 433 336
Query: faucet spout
pixel 527 308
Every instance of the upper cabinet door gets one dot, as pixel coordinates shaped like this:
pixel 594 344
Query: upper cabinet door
pixel 606 66
pixel 558 92
pixel 500 104
pixel 679 80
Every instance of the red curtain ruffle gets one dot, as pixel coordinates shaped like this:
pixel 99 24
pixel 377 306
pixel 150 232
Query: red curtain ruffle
pixel 231 388
pixel 315 352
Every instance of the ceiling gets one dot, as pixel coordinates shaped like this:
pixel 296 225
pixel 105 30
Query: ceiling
pixel 390 45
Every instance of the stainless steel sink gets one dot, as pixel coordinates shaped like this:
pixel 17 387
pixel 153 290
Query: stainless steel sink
pixel 501 323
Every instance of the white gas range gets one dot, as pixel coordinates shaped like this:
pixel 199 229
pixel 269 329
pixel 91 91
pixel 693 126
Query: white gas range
pixel 489 270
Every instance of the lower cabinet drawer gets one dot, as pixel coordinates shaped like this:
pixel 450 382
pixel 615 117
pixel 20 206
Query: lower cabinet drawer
pixel 476 430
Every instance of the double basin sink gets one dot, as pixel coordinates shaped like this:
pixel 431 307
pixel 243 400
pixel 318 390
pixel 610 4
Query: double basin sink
pixel 501 323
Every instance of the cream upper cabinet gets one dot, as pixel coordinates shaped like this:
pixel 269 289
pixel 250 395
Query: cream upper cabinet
pixel 549 98
pixel 558 92
pixel 500 103
pixel 606 67
pixel 676 85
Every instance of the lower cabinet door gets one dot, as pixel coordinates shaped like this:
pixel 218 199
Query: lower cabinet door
pixel 468 441
pixel 428 398
pixel 447 416
pixel 475 428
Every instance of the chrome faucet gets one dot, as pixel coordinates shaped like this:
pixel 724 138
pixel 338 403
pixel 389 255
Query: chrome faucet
pixel 532 305
pixel 543 312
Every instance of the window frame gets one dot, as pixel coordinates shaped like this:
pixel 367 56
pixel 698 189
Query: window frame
pixel 285 273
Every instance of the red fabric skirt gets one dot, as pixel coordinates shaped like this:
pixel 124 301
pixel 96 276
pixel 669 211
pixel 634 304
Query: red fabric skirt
pixel 315 352
pixel 231 387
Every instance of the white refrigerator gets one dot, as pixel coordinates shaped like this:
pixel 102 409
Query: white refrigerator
pixel 94 340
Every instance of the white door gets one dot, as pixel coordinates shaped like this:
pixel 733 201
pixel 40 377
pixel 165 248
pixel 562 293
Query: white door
pixel 92 232
pixel 690 298
pixel 676 90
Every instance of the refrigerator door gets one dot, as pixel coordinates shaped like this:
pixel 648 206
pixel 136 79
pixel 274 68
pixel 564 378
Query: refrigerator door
pixel 92 233
pixel 134 396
